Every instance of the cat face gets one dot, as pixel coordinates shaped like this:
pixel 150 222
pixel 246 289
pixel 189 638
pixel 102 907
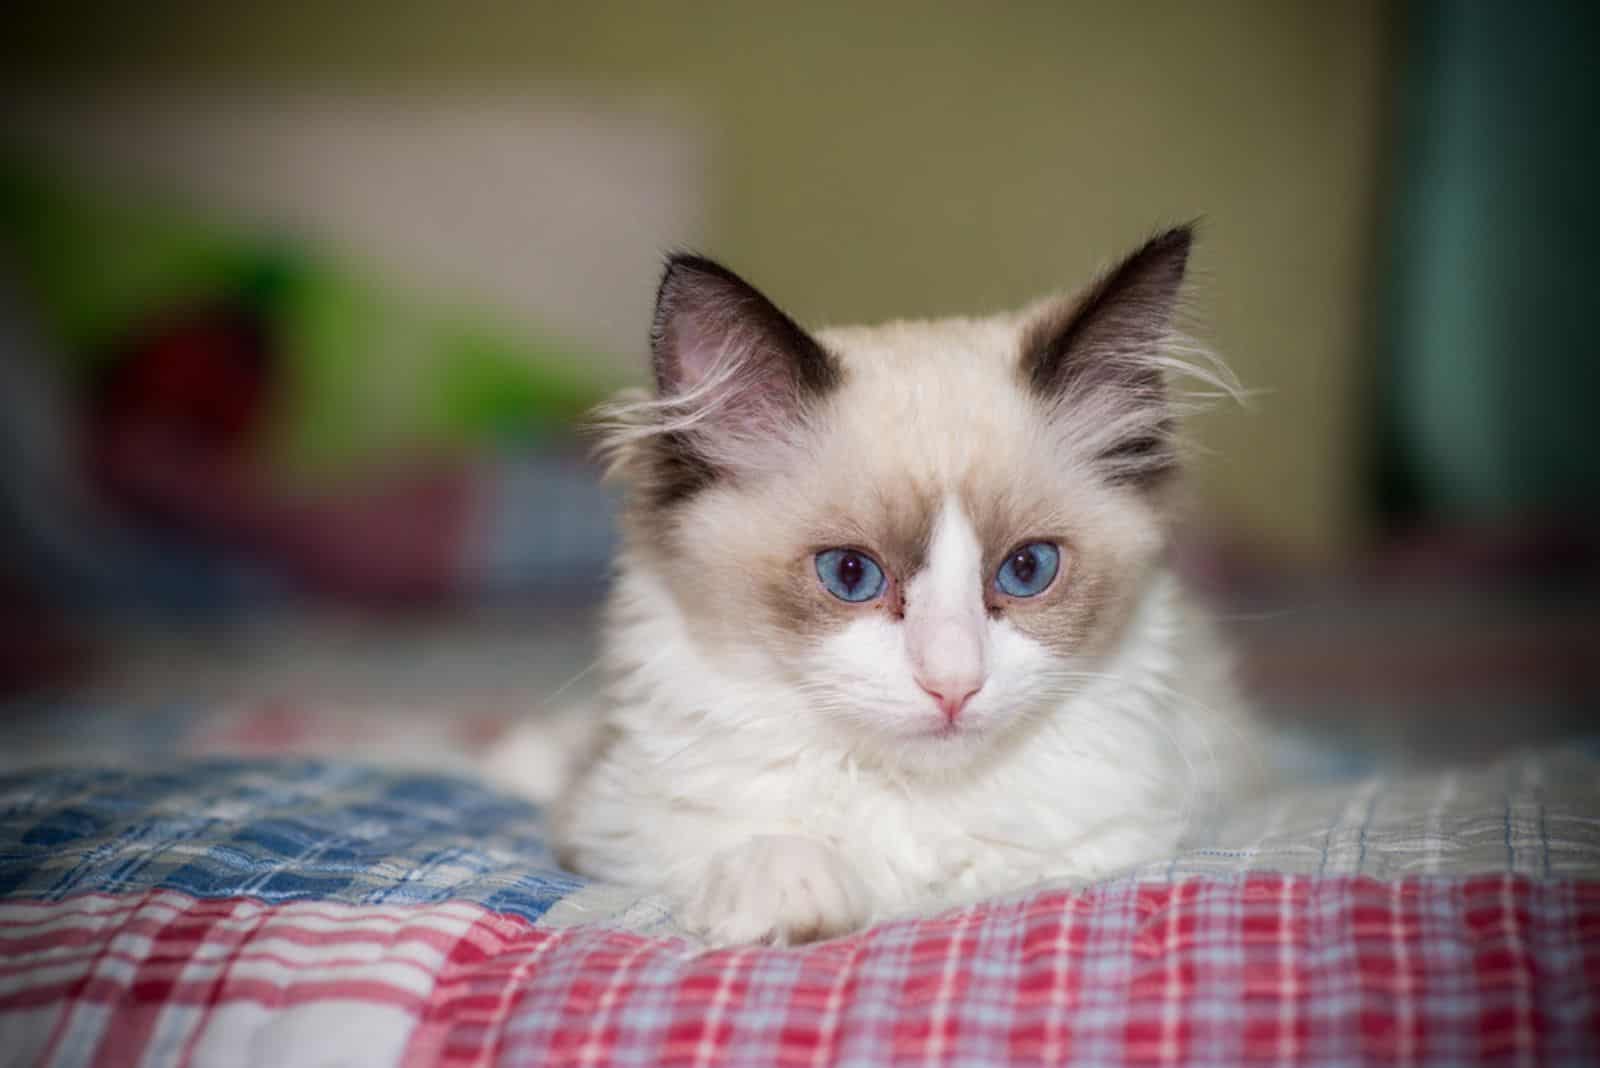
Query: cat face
pixel 928 533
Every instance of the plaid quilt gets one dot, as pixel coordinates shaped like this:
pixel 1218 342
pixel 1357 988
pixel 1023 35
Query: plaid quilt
pixel 299 912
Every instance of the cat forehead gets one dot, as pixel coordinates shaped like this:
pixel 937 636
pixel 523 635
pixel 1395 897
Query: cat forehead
pixel 909 346
pixel 933 408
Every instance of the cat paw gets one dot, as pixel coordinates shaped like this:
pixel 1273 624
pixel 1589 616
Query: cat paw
pixel 776 889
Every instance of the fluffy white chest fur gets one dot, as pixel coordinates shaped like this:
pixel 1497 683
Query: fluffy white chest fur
pixel 892 628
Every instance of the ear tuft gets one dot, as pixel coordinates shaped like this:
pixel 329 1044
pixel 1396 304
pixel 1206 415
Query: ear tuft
pixel 1103 353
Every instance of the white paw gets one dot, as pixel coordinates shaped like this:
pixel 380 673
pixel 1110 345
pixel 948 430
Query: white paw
pixel 777 889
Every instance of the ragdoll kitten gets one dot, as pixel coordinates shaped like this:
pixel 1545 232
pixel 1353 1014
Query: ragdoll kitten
pixel 891 627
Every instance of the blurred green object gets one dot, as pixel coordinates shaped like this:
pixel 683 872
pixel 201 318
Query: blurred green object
pixel 1492 378
pixel 360 372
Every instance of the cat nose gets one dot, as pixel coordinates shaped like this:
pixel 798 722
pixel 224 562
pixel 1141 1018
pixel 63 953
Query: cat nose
pixel 952 695
pixel 947 661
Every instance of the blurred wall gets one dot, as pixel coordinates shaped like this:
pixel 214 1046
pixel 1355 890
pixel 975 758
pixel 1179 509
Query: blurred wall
pixel 869 161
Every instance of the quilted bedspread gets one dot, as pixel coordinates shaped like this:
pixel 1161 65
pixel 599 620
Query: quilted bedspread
pixel 295 911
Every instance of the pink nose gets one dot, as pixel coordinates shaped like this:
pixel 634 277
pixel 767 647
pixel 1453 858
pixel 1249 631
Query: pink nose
pixel 952 696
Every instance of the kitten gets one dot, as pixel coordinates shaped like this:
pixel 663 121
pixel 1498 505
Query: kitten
pixel 891 626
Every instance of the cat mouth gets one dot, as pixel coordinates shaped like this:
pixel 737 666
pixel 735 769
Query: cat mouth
pixel 948 730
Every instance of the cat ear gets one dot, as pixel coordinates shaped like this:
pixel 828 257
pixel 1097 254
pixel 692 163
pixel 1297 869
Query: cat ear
pixel 735 378
pixel 1099 359
pixel 719 345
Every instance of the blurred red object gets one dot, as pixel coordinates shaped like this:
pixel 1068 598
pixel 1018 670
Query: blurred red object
pixel 203 377
pixel 175 431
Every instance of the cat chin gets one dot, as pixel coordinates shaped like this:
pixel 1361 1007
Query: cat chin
pixel 943 754
pixel 930 747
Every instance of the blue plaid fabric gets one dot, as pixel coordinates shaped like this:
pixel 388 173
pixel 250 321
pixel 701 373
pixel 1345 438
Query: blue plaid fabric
pixel 277 831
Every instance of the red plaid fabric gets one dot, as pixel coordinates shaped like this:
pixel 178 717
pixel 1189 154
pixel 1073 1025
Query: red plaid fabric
pixel 1260 969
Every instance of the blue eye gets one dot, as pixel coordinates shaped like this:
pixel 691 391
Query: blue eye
pixel 850 575
pixel 1029 570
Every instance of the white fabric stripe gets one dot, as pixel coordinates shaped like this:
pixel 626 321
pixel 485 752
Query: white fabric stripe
pixel 351 1034
pixel 934 1052
pixel 706 1052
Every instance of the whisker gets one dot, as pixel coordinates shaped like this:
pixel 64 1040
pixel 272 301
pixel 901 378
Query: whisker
pixel 548 699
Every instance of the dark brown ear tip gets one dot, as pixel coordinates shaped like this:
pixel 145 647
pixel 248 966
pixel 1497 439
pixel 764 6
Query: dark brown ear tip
pixel 683 259
pixel 1175 242
pixel 684 265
